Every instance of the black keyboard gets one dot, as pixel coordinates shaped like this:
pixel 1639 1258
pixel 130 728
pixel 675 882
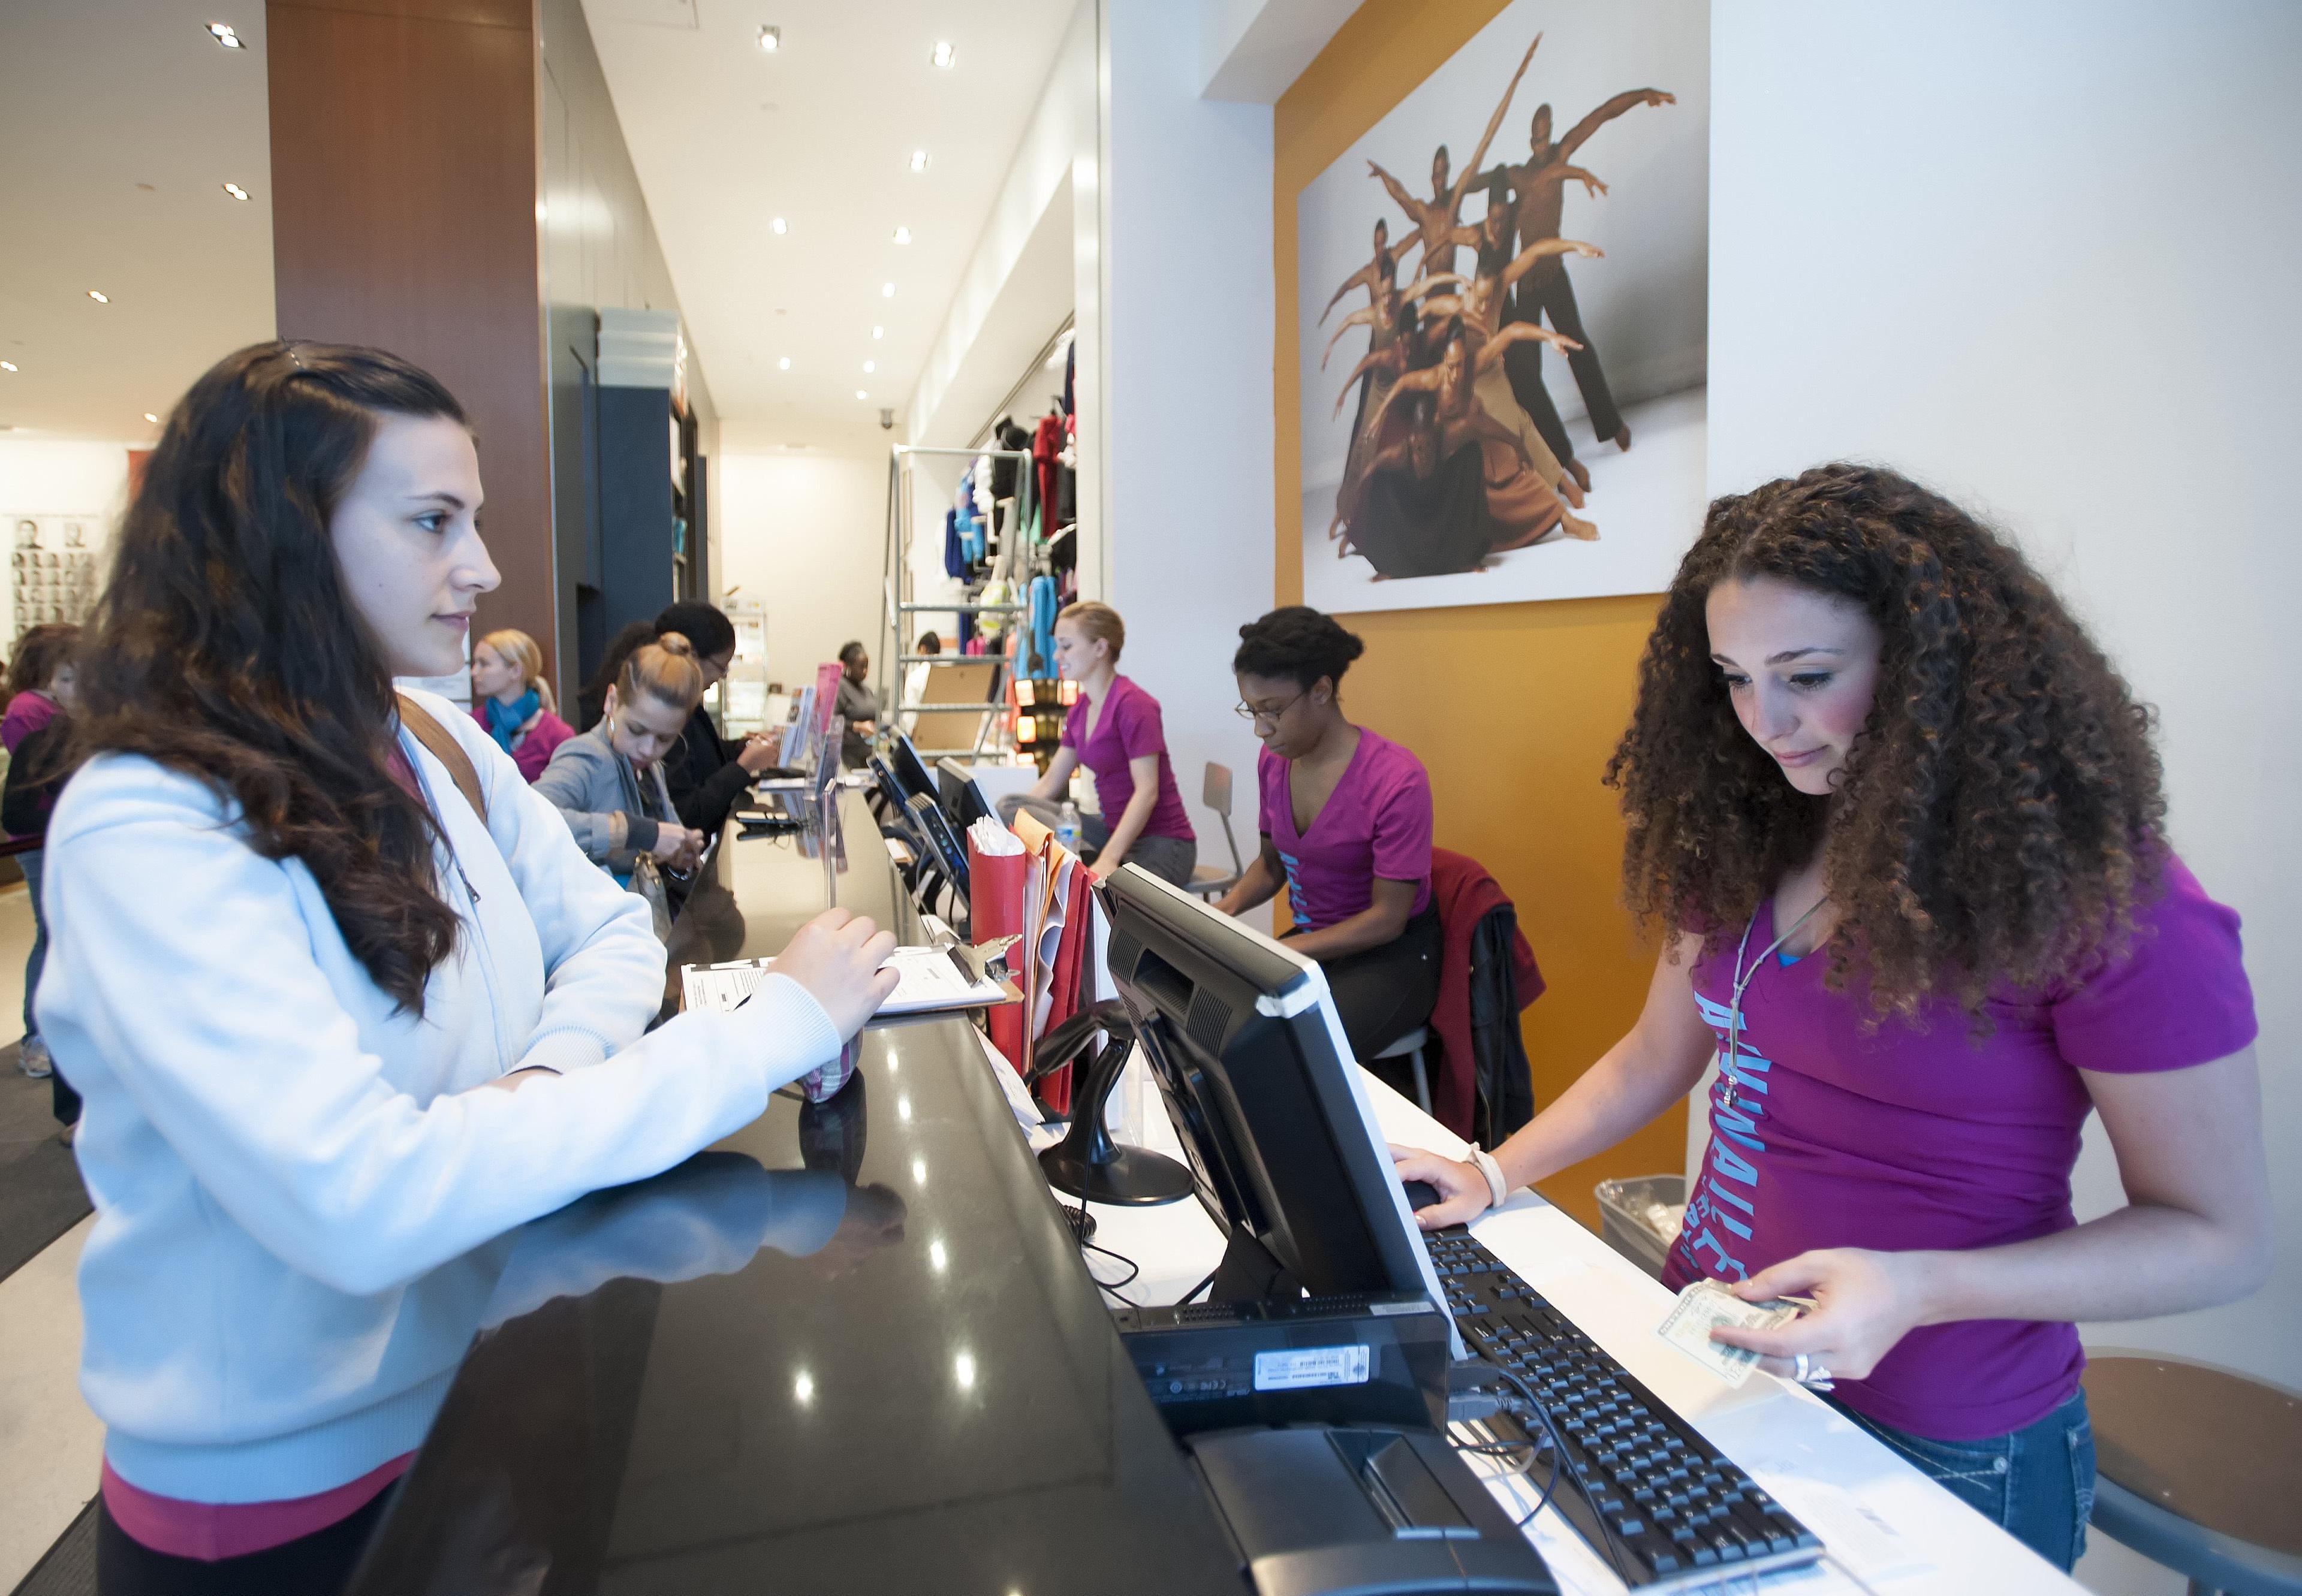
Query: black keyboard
pixel 1673 1509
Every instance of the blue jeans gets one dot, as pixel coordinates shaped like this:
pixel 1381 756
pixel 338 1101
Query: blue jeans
pixel 2037 1484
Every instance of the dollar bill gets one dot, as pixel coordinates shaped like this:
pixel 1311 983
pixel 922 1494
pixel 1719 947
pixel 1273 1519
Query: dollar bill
pixel 1706 1304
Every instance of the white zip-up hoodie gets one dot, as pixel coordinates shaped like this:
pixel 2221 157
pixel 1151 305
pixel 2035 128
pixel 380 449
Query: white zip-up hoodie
pixel 287 1173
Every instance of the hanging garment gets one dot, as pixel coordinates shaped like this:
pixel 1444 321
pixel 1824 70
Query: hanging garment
pixel 955 549
pixel 1043 626
pixel 1002 472
pixel 1046 443
pixel 1483 1088
pixel 1071 379
pixel 966 633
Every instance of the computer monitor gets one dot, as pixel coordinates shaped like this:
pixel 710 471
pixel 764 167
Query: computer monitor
pixel 911 770
pixel 1242 1036
pixel 962 800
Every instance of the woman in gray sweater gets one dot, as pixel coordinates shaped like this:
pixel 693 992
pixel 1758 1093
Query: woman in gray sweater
pixel 608 783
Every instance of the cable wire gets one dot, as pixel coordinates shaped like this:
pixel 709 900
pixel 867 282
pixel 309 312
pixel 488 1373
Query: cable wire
pixel 1573 1472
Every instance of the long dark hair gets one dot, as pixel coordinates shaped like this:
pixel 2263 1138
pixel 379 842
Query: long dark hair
pixel 40 652
pixel 2000 815
pixel 225 645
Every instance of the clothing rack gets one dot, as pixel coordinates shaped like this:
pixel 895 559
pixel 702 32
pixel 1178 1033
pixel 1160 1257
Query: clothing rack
pixel 1015 566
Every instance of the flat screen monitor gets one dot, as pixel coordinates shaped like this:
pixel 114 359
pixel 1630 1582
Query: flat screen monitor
pixel 962 800
pixel 1242 1036
pixel 911 770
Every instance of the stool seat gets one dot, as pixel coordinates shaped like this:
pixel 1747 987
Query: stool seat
pixel 2201 1469
pixel 1409 1043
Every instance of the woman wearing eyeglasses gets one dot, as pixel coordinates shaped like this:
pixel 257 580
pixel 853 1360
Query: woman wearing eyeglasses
pixel 1346 829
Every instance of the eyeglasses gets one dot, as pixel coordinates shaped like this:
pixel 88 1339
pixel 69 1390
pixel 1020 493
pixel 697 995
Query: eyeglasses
pixel 1248 712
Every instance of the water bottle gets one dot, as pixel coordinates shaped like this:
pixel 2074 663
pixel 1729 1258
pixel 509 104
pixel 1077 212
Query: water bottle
pixel 1067 826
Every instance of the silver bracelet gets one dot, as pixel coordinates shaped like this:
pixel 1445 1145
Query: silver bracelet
pixel 1498 1188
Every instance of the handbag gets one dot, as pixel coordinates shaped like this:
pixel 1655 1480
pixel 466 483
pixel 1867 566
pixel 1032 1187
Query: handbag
pixel 647 881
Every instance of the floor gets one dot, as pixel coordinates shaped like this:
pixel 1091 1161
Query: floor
pixel 51 1446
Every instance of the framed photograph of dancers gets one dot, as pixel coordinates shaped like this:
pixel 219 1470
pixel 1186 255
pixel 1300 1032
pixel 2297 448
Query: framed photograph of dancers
pixel 1502 303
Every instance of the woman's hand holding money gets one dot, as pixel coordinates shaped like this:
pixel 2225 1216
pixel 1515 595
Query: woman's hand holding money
pixel 1864 1302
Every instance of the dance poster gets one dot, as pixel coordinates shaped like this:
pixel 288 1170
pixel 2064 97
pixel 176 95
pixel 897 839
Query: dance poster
pixel 1502 305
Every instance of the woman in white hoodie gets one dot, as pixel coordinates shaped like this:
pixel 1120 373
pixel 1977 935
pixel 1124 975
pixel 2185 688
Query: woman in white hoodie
pixel 344 998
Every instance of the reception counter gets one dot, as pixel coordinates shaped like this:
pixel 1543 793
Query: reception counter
pixel 853 1348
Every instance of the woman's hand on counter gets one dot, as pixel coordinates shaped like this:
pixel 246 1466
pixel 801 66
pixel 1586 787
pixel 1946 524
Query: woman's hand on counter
pixel 758 754
pixel 1463 1193
pixel 836 957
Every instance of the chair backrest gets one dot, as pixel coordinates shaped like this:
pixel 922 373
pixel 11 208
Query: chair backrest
pixel 1215 789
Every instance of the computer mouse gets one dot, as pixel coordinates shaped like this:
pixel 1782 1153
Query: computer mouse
pixel 1420 1194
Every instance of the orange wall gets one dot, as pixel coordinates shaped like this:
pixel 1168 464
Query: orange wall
pixel 1514 708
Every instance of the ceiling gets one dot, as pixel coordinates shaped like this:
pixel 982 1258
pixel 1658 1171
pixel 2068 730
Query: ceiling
pixel 122 119
pixel 725 137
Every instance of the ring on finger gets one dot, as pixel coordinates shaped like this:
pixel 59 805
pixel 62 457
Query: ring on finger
pixel 1812 1374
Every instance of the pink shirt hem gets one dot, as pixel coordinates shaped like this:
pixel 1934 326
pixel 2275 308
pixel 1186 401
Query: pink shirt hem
pixel 211 1531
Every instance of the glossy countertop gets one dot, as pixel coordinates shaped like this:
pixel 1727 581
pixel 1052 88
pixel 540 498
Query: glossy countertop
pixel 852 1348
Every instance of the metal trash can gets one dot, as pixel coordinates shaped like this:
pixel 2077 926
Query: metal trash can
pixel 1628 1220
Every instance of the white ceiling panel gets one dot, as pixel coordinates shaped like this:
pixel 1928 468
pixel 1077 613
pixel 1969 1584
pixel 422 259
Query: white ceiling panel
pixel 725 138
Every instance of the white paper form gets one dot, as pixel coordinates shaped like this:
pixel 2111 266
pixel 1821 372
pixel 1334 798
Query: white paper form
pixel 926 981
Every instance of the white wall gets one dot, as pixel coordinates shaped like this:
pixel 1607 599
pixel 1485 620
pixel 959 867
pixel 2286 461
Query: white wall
pixel 806 535
pixel 2040 256
pixel 1187 387
pixel 43 476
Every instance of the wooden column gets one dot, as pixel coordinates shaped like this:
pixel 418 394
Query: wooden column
pixel 404 189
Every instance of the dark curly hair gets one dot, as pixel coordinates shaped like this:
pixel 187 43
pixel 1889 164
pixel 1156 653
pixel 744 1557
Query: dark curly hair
pixel 2000 815
pixel 1295 644
pixel 224 644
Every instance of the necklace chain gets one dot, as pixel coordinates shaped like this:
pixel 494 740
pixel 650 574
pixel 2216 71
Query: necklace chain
pixel 1727 1058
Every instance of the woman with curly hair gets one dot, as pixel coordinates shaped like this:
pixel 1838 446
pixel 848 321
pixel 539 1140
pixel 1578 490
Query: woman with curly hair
pixel 1901 823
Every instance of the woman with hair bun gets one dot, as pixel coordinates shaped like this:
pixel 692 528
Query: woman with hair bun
pixel 609 783
pixel 1116 731
pixel 1346 829
pixel 513 702
pixel 1901 824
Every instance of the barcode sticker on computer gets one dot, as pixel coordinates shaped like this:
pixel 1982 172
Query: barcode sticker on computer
pixel 1295 1368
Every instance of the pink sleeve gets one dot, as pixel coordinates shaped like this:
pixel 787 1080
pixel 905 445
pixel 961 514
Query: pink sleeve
pixel 2178 997
pixel 1402 825
pixel 1140 731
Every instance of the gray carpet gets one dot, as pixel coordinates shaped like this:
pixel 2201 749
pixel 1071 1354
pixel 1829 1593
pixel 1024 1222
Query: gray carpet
pixel 69 1568
pixel 40 1194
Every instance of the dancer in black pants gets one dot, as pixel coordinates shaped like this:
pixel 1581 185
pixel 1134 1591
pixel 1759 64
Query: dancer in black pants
pixel 1346 830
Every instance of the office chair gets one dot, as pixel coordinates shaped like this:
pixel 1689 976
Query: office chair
pixel 1208 881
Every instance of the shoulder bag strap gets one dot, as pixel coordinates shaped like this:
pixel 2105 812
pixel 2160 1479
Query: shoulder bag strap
pixel 442 746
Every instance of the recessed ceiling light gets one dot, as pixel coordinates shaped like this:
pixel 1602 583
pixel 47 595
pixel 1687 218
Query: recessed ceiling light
pixel 943 54
pixel 771 39
pixel 919 160
pixel 785 364
pixel 860 394
pixel 237 192
pixel 779 227
pixel 152 418
pixel 223 33
pixel 7 366
pixel 879 332
pixel 887 291
pixel 103 298
pixel 870 366
pixel 903 235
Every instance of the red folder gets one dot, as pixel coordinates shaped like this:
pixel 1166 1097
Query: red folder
pixel 1064 988
pixel 995 885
